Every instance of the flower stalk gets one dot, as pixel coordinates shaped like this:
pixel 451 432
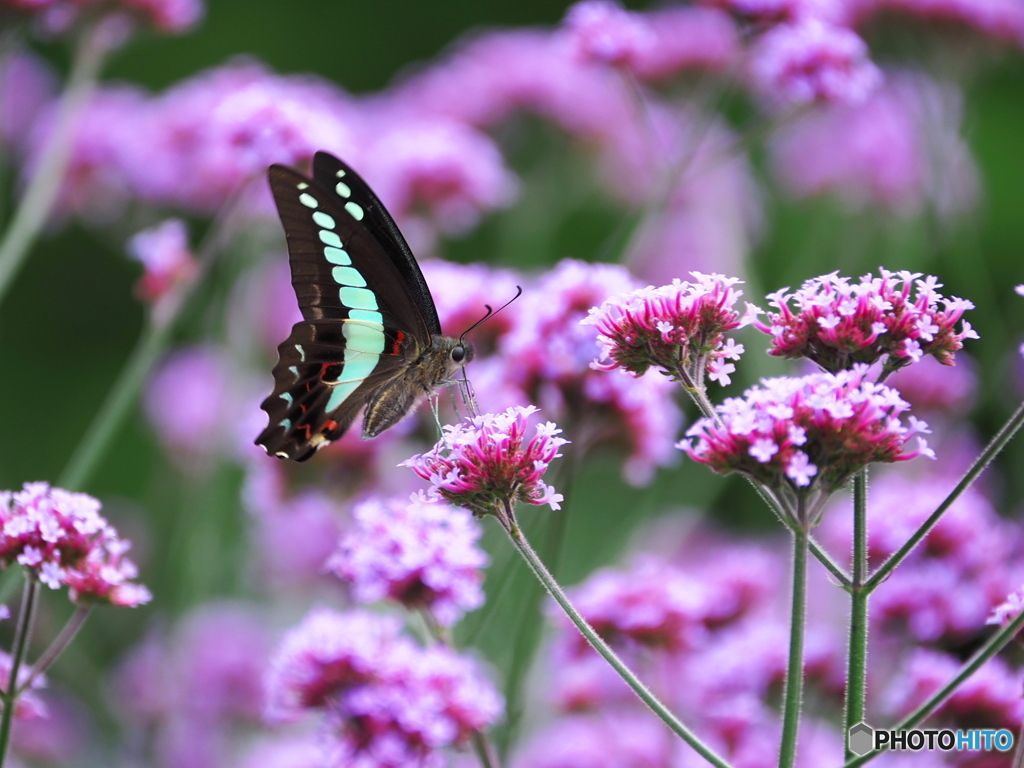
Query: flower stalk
pixel 19 650
pixel 857 651
pixel 506 517
pixel 793 696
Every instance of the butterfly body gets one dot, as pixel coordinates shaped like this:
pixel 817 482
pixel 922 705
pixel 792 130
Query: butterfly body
pixel 370 335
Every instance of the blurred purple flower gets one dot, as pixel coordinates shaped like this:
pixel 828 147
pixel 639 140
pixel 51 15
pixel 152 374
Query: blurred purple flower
pixel 603 31
pixel 96 185
pixel 653 604
pixel 931 386
pixel 812 60
pixel 553 352
pixel 1000 19
pixel 487 462
pixel 620 738
pixel 421 554
pixel 686 38
pixel 901 149
pixel 461 292
pixel 197 688
pixel 679 328
pixel 61 538
pixel 807 434
pixel 296 532
pixel 839 323
pixel 947 586
pixel 991 695
pixel 27 86
pixel 389 702
pixel 188 401
pixel 440 167
pixel 777 11
pixel 166 257
pixel 166 16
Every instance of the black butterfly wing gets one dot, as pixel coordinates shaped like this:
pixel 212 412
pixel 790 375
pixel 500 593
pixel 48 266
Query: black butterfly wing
pixel 362 297
pixel 327 371
pixel 349 185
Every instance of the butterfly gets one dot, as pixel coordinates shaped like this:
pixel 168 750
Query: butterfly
pixel 370 335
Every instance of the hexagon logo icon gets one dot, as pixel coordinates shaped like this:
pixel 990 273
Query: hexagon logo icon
pixel 862 739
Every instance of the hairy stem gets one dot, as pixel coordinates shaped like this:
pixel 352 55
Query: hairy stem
pixel 29 600
pixel 984 459
pixel 511 527
pixel 51 654
pixel 857 659
pixel 793 696
pixel 992 646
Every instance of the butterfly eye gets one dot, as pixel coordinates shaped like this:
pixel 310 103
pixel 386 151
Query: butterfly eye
pixel 458 354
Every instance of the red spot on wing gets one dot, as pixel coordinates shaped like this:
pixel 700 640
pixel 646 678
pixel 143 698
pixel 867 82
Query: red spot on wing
pixel 329 426
pixel 396 348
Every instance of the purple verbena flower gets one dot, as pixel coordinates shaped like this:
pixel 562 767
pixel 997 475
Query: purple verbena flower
pixel 488 462
pixel 61 539
pixel 839 323
pixel 388 702
pixel 327 653
pixel 679 328
pixel 807 434
pixel 812 60
pixel 166 258
pixel 419 553
pixel 686 38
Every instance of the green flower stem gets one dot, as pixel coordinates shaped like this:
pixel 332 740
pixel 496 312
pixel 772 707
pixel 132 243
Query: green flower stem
pixel 484 751
pixel 156 336
pixel 992 646
pixel 793 696
pixel 29 600
pixel 857 659
pixel 991 450
pixel 508 522
pixel 42 190
pixel 50 655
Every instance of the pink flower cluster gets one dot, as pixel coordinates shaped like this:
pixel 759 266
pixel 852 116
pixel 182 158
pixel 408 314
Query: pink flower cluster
pixel 807 433
pixel 1008 610
pixel 488 461
pixel 419 553
pixel 389 703
pixel 813 60
pixel 678 327
pixel 61 538
pixel 166 257
pixel 838 323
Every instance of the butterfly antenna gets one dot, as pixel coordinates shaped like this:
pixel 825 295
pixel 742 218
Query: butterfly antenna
pixel 491 312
